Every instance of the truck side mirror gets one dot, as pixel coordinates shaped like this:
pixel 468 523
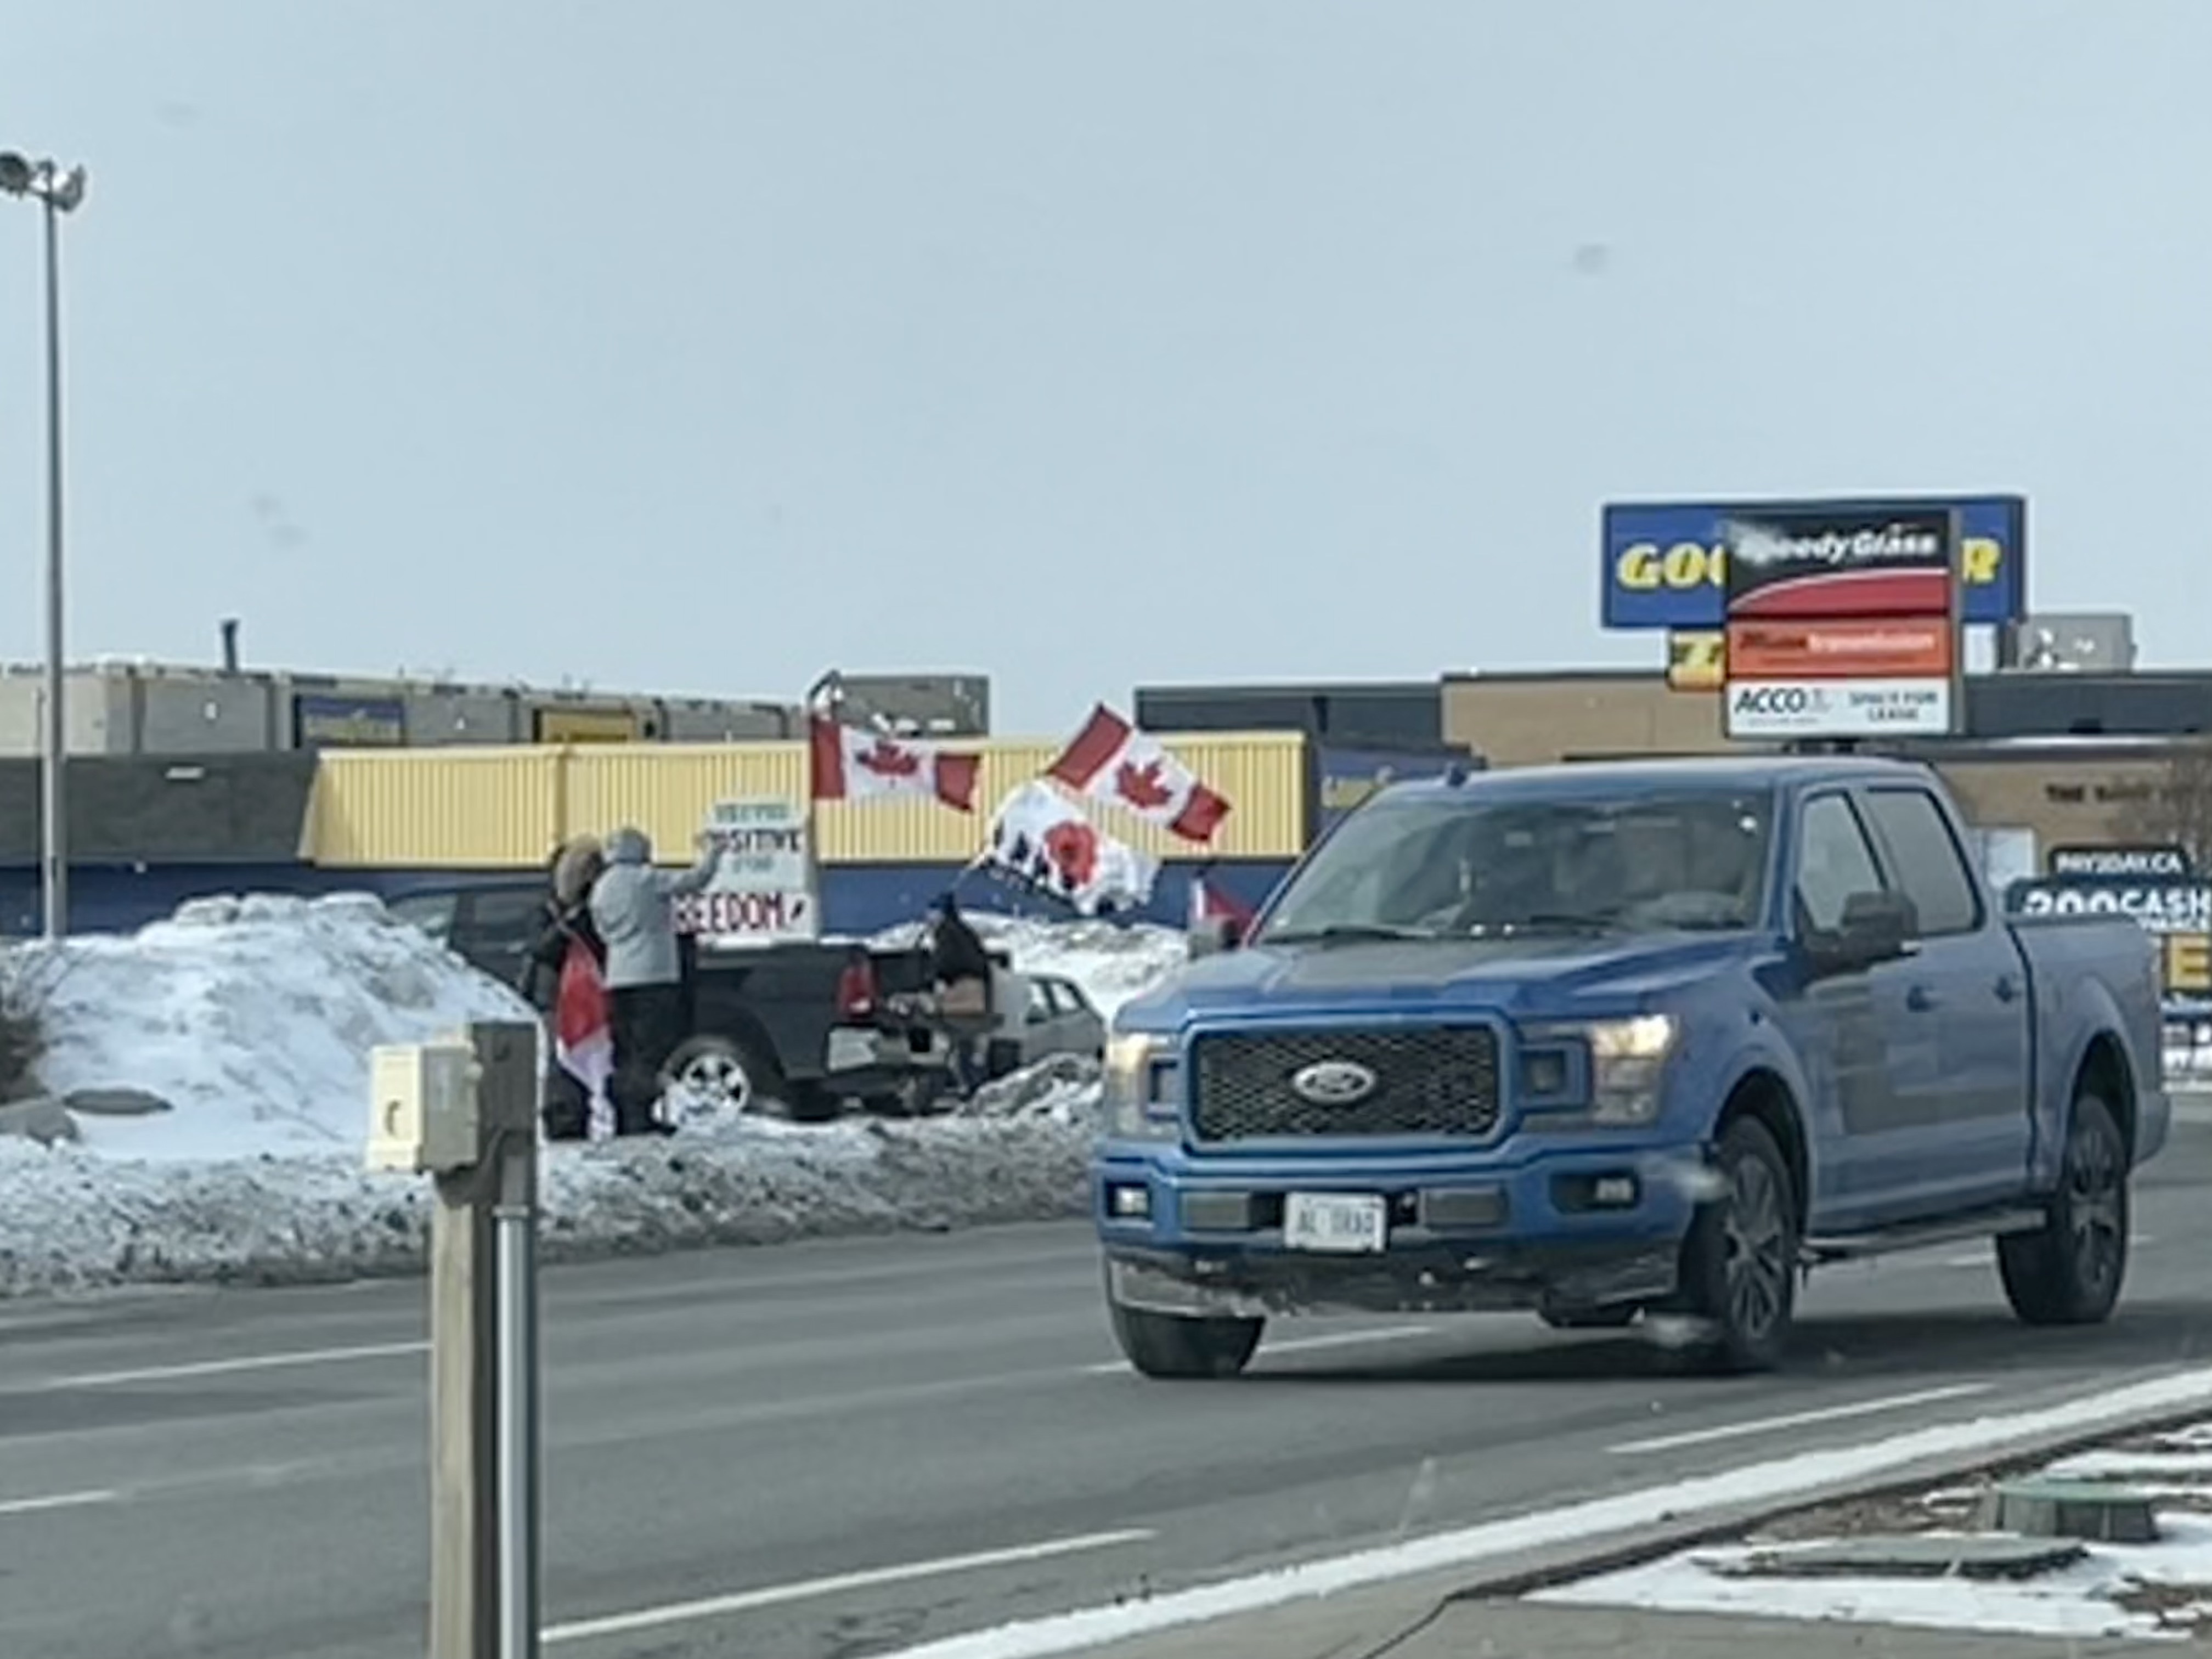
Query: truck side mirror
pixel 1875 927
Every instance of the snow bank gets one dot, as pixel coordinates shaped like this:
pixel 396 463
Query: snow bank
pixel 254 1017
pixel 71 1219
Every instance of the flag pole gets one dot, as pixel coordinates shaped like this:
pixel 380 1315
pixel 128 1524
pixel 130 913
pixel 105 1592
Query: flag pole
pixel 821 699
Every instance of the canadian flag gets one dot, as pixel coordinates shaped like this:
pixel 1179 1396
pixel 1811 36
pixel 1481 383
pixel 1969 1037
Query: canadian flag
pixel 853 763
pixel 583 1034
pixel 1110 760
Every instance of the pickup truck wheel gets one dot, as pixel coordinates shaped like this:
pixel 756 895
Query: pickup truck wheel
pixel 1740 1260
pixel 2069 1271
pixel 714 1074
pixel 1168 1345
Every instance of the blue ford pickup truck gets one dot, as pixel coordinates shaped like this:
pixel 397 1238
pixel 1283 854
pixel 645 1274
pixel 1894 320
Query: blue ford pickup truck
pixel 1614 1040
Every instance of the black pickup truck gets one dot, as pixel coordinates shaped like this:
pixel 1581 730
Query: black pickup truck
pixel 767 1023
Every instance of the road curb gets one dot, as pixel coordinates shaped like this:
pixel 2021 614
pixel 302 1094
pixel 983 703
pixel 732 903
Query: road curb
pixel 1373 1617
pixel 1508 1578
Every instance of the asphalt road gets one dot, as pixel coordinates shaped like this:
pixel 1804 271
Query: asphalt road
pixel 797 1453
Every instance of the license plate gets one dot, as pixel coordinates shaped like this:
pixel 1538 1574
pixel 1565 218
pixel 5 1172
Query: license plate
pixel 1351 1224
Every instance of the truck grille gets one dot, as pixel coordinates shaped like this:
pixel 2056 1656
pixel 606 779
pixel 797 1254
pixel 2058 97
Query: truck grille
pixel 1430 1082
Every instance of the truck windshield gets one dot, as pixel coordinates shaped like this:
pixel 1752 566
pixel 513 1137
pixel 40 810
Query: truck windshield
pixel 1439 866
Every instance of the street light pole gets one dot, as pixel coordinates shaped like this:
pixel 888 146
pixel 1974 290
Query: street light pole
pixel 58 193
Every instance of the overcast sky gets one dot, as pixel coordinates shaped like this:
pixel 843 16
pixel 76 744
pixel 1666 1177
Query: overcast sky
pixel 700 344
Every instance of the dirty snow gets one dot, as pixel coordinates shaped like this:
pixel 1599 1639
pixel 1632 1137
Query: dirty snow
pixel 254 1018
pixel 2161 1590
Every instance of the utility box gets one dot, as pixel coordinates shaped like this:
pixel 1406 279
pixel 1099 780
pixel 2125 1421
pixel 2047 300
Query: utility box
pixel 423 1107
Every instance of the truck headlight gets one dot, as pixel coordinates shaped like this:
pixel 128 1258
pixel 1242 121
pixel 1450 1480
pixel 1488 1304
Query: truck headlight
pixel 1628 1061
pixel 1142 1087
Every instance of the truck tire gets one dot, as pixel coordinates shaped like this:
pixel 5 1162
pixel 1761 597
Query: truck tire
pixel 1740 1260
pixel 1168 1345
pixel 2069 1271
pixel 720 1072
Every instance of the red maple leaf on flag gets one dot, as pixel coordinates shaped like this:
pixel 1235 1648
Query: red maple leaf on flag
pixel 1140 785
pixel 888 760
pixel 1073 850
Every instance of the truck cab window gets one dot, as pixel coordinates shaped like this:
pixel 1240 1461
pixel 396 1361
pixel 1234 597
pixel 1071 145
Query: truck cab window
pixel 1833 862
pixel 1924 855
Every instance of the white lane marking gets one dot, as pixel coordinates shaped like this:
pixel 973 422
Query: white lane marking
pixel 1894 1402
pixel 60 1500
pixel 717 1607
pixel 253 1362
pixel 1986 1439
pixel 1988 1258
pixel 1301 1344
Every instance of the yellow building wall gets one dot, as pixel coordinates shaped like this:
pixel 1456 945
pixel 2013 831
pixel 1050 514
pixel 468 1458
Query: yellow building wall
pixel 508 808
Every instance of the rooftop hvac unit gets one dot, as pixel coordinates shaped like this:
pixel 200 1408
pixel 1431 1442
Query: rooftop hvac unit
pixel 2099 642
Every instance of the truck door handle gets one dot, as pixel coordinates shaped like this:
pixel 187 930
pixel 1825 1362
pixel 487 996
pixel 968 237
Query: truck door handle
pixel 1920 999
pixel 2008 988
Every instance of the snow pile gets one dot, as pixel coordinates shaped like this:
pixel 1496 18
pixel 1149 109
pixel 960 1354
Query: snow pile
pixel 1063 1089
pixel 252 1018
pixel 71 1219
pixel 2161 1589
pixel 1111 962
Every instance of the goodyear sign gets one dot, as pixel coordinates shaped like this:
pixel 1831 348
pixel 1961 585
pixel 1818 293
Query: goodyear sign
pixel 1666 566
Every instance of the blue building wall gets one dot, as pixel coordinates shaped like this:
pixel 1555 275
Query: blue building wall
pixel 855 898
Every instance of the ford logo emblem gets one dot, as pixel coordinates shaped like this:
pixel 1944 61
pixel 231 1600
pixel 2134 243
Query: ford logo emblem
pixel 1333 1083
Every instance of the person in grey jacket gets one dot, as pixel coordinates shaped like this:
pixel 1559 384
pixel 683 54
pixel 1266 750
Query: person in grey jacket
pixel 633 907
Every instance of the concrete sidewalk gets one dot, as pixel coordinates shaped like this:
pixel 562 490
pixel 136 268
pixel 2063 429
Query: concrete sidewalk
pixel 1332 1629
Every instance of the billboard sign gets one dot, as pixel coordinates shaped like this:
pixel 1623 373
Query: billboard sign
pixel 1697 660
pixel 586 726
pixel 1841 623
pixel 2176 910
pixel 1665 564
pixel 1844 648
pixel 329 722
pixel 2124 863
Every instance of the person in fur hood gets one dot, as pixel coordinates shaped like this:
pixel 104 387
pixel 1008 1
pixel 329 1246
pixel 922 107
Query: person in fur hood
pixel 566 1107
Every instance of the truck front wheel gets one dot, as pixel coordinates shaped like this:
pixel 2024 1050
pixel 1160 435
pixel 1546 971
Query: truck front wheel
pixel 1170 1345
pixel 1740 1260
pixel 2069 1271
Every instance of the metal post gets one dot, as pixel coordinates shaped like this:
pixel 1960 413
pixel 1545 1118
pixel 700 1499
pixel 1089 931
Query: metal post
pixel 516 1225
pixel 53 777
pixel 463 1423
pixel 483 1367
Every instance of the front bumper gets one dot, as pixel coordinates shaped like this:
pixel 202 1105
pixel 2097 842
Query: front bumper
pixel 1565 1224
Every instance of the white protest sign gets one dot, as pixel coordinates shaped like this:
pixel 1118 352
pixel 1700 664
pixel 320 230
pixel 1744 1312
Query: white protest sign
pixel 763 889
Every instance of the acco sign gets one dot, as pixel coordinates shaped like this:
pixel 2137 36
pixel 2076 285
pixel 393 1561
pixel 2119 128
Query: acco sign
pixel 1780 702
pixel 1855 708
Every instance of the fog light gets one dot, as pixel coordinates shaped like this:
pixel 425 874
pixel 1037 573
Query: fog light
pixel 1613 1192
pixel 1129 1203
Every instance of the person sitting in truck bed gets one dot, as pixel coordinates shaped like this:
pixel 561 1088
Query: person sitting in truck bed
pixel 961 969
